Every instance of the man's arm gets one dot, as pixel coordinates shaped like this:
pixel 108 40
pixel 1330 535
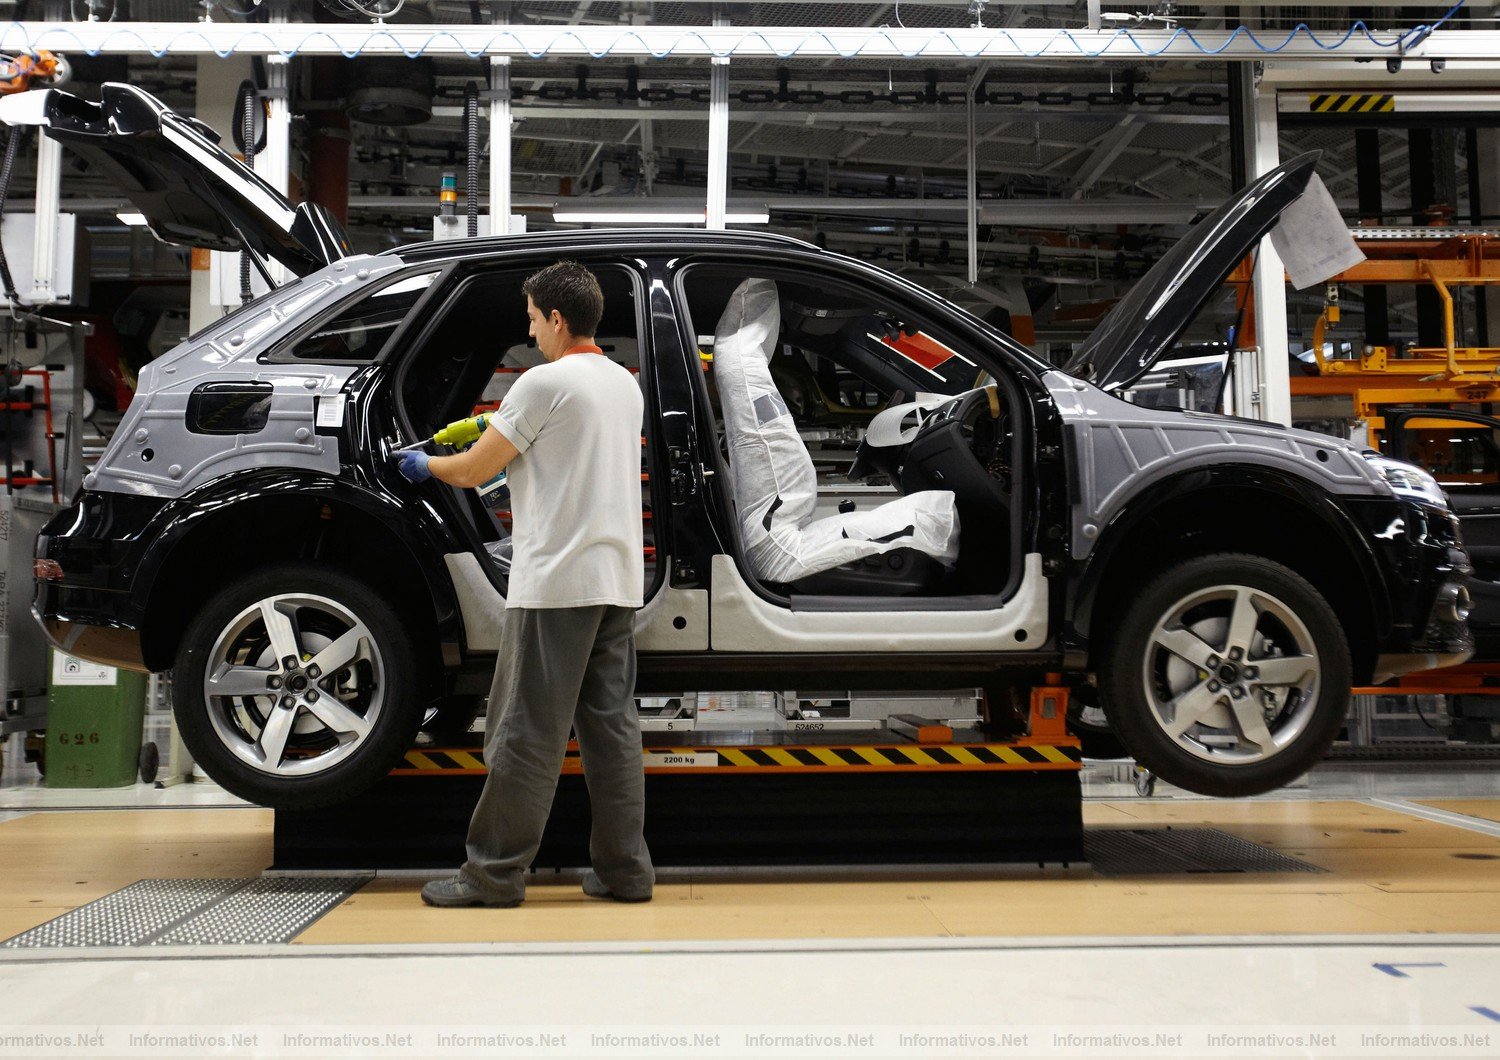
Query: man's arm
pixel 476 465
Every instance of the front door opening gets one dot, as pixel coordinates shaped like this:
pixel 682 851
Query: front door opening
pixel 798 369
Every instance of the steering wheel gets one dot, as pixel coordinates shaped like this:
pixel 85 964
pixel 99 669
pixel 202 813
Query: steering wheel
pixel 887 459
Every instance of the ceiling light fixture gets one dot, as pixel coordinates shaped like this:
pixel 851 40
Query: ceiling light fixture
pixel 657 217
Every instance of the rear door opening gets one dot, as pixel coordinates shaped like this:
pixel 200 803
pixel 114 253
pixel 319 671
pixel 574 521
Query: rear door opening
pixel 466 359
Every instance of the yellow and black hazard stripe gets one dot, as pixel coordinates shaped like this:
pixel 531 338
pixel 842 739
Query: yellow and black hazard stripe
pixel 445 761
pixel 1351 103
pixel 768 758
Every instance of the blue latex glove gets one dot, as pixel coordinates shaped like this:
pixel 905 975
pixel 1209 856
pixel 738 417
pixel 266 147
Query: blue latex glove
pixel 413 465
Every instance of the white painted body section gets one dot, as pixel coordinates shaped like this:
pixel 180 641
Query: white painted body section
pixel 743 621
pixel 655 628
pixel 483 611
pixel 479 602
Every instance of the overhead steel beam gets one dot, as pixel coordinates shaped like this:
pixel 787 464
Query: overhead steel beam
pixel 1002 212
pixel 822 115
pixel 1095 212
pixel 1110 148
pixel 781 42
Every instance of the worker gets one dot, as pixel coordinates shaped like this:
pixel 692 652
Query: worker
pixel 569 437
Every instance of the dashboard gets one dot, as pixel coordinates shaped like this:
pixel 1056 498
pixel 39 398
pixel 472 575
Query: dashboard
pixel 961 444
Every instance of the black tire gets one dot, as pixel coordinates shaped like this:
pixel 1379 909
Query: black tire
pixel 1096 737
pixel 369 758
pixel 1309 720
pixel 34 750
pixel 149 762
pixel 450 718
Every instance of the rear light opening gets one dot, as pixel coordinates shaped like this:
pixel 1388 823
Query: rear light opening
pixel 47 570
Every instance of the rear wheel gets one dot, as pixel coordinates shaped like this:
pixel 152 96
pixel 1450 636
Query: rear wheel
pixel 1228 675
pixel 296 687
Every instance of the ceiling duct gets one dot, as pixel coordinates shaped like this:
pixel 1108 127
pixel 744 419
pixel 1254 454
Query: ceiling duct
pixel 391 90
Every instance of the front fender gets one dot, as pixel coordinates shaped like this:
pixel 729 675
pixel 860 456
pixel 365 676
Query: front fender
pixel 1274 485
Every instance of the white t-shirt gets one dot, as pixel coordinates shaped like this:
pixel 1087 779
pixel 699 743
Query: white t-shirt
pixel 575 488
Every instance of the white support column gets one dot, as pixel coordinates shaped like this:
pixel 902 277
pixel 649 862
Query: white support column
pixel 718 142
pixel 971 213
pixel 274 163
pixel 213 103
pixel 1272 398
pixel 500 118
pixel 48 195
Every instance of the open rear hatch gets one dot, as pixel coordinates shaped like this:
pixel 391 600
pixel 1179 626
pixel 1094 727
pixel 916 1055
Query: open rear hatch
pixel 191 191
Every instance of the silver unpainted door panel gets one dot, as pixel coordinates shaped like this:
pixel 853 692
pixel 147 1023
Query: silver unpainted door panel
pixel 154 454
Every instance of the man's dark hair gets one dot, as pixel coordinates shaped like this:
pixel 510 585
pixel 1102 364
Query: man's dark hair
pixel 572 290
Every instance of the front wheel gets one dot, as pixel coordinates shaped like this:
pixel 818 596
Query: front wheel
pixel 296 687
pixel 1088 721
pixel 1227 675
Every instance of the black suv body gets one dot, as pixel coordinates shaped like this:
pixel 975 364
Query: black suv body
pixel 1223 582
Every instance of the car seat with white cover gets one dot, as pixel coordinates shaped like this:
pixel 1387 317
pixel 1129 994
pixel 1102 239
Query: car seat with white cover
pixel 776 486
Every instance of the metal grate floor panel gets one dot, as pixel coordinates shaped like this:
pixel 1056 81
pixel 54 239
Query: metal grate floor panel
pixel 264 909
pixel 268 909
pixel 1159 851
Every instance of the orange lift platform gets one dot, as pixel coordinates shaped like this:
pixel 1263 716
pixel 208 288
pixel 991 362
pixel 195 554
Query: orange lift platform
pixel 915 791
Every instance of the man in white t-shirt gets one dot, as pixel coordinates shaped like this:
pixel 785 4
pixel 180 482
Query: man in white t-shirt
pixel 568 434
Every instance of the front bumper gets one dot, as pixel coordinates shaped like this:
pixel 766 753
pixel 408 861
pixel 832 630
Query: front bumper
pixel 1390 667
pixel 1421 555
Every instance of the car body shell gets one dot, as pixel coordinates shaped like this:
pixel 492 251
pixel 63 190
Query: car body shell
pixel 128 557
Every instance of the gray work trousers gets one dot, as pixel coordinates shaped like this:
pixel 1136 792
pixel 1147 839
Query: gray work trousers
pixel 562 667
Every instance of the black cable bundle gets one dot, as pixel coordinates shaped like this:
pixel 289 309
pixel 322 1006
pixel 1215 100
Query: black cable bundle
pixel 471 133
pixel 12 147
pixel 247 131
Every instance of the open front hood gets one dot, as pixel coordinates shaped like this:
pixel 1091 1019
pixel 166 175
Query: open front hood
pixel 191 191
pixel 1147 321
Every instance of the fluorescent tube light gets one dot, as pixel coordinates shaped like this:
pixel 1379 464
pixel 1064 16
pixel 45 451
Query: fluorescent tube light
pixel 136 219
pixel 657 217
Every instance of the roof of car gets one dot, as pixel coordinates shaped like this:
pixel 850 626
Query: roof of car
pixel 697 238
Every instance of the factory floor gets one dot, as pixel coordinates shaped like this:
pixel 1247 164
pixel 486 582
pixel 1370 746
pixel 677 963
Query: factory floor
pixel 1391 930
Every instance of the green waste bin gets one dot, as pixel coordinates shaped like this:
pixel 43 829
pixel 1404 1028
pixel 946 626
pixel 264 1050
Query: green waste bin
pixel 95 718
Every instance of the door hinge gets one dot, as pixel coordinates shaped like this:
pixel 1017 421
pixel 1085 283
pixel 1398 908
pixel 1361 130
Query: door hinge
pixel 681 476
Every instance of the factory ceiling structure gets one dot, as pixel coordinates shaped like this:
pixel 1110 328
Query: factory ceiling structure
pixel 848 124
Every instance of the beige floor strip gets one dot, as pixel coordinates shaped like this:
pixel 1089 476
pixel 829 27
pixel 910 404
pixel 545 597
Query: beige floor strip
pixel 1389 872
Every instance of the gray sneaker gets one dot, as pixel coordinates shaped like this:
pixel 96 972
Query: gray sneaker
pixel 456 892
pixel 594 887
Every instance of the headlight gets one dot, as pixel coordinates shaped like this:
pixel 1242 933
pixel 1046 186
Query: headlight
pixel 1408 480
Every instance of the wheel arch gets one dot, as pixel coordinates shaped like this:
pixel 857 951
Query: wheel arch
pixel 229 529
pixel 1255 510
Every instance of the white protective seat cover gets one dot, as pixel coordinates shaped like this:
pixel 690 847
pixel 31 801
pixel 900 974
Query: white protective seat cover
pixel 774 482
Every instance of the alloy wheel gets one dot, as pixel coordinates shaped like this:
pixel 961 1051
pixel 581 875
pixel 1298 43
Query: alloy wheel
pixel 294 684
pixel 1232 674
